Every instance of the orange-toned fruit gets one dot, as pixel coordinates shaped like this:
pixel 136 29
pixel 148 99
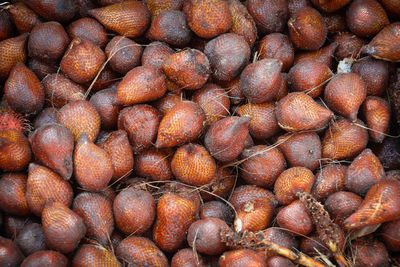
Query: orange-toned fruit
pixel 301 149
pixel 307 29
pixel 374 73
pixel 23 17
pixel 60 90
pixel 45 186
pixel 291 181
pixel 245 193
pixel 241 257
pixel 228 53
pixel 12 51
pixel 193 165
pixel 104 102
pixel 381 204
pixel 91 255
pixel 365 171
pixel 88 28
pixel 158 6
pixel 254 215
pixel 328 180
pixel 385 45
pixel 187 257
pixel 47 41
pixel 117 146
pixel 53 145
pixel 295 218
pixel 182 124
pixel 96 211
pixel 189 68
pixel 11 255
pixel 242 22
pixel 331 5
pixel 15 152
pixel 226 138
pixel 141 123
pixel 153 164
pixel 11 120
pixel 23 91
pixel 208 18
pixel 93 167
pixel 269 16
pixel 141 84
pixel 366 17
pixel 63 228
pixel 82 60
pixel 80 117
pixel 221 185
pixel 182 191
pixel 174 216
pixel 345 93
pixel 299 112
pixel 13 194
pixel 344 140
pixel 136 250
pixel 262 165
pixel 155 53
pixel 259 80
pixel 376 111
pixel 58 10
pixel 277 45
pixel 134 211
pixel 323 55
pixel 123 54
pixel 129 18
pixel 309 76
pixel 167 102
pixel 341 205
pixel 45 258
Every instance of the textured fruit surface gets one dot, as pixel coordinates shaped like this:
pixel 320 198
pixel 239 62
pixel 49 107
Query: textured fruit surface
pixel 277 45
pixel 296 218
pixel 242 22
pixel 12 194
pixel 45 258
pixel 374 73
pixel 323 55
pixel 12 51
pixel 90 255
pixel 341 205
pixel 328 180
pixel 31 239
pixel 58 10
pixel 269 16
pixel 23 17
pixel 104 103
pixel 153 164
pixel 241 257
pixel 254 215
pixel 11 255
pixel 123 54
pixel 188 257
pixel 88 28
pixel 15 152
pixel 330 6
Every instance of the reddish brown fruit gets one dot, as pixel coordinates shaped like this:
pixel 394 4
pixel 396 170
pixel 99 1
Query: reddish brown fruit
pixel 137 250
pixel 208 18
pixel 187 257
pixel 328 180
pixel 310 77
pixel 153 164
pixel 381 204
pixel 307 29
pixel 12 51
pixel 262 165
pixel 388 153
pixel 279 261
pixel 365 171
pixel 226 138
pixel 263 123
pixel 345 93
pixel 341 205
pixel 31 239
pixel 40 68
pixel 183 191
pixel 88 28
pixel 295 218
pixel 23 91
pixel 291 181
pixel 374 73
pixel 193 165
pixel 241 257
pixel 130 18
pixel 174 216
pixel 155 53
pixel 377 115
pixel 45 186
pixel 217 209
pixel 277 45
pixel 59 10
pixel 301 149
pixel 189 68
pixel 158 6
pixel 344 140
pixel 392 7
pixel 141 123
pixel 91 255
pixel 12 194
pixel 323 55
pixel 299 112
pixel 141 84
pixel 167 102
pixel 330 6
pixel 312 245
pixel 246 193
pixel 47 115
pixel 10 120
pixel 106 79
pixel 368 251
pixel 390 233
pixel 63 228
pixel 10 253
pixel 366 17
pixel 349 45
pixel 221 185
pixel 80 117
pixel 6 24
pixel 228 54
pixel 104 103
pixel 134 211
pixel 53 145
pixel 123 54
pixel 15 152
pixel 335 22
pixel 170 26
pixel 13 225
pixel 254 215
pixel 182 124
pixel 214 101
pixel 259 80
pixel 23 17
pixel 242 22
pixel 47 41
pixel 93 167
pixel 269 16
pixel 97 214
pixel 60 90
